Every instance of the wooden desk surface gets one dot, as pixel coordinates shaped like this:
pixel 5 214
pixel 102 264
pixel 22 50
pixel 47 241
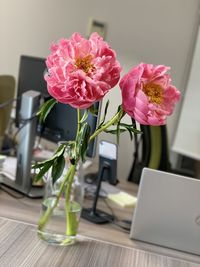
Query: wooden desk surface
pixel 21 247
pixel 99 245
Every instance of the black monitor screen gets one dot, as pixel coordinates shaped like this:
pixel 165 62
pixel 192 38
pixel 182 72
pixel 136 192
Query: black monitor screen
pixel 31 77
pixel 61 123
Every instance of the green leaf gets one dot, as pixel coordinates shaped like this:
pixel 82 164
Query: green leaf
pixel 130 127
pixel 118 133
pixel 46 108
pixel 126 125
pixel 84 117
pixel 43 170
pixel 130 133
pixel 60 150
pixel 82 140
pixel 72 152
pixel 85 139
pixel 41 164
pixel 119 108
pixel 58 167
pixel 105 113
pixel 115 131
pixel 93 110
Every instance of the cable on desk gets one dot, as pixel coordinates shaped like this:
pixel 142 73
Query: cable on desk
pixel 116 221
pixel 10 101
pixel 23 121
pixel 13 139
pixel 124 225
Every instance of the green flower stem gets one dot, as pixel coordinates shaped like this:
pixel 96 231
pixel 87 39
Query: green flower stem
pixel 45 217
pixel 78 129
pixel 71 221
pixel 78 122
pixel 117 117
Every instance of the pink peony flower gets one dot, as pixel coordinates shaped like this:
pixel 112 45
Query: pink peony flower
pixel 148 95
pixel 81 71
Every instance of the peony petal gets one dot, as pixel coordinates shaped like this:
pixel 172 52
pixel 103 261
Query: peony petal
pixel 137 104
pixel 84 83
pixel 156 121
pixel 140 119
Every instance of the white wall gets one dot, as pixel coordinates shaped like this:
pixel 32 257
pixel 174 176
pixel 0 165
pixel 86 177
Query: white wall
pixel 189 123
pixel 152 31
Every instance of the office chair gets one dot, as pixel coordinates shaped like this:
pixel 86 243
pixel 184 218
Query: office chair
pixel 7 93
pixel 154 153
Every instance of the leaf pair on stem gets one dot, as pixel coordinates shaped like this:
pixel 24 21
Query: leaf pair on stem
pixel 79 146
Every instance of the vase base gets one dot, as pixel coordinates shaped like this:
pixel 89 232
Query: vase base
pixel 56 239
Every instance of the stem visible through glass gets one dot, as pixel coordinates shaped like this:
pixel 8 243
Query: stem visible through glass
pixel 45 217
pixel 71 221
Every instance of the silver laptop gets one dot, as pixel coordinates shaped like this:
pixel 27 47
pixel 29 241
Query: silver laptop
pixel 168 211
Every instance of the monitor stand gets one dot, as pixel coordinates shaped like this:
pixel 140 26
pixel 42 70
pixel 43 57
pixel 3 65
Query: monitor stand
pixel 23 182
pixel 32 192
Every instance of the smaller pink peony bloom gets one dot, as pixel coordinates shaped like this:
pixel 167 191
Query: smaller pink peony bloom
pixel 81 71
pixel 148 95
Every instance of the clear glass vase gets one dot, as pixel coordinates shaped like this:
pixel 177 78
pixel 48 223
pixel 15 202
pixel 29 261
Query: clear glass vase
pixel 60 214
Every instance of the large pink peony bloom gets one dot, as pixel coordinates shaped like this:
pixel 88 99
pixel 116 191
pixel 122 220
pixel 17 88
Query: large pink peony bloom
pixel 147 94
pixel 81 71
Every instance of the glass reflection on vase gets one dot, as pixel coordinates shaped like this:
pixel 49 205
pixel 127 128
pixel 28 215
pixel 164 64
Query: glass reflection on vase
pixel 61 206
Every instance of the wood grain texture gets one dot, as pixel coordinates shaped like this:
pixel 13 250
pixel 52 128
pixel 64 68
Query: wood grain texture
pixel 20 247
pixel 26 212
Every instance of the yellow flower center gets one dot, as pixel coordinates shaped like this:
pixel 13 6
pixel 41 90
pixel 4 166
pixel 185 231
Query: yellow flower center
pixel 154 92
pixel 84 63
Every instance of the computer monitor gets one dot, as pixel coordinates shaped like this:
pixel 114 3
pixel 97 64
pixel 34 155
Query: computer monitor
pixel 61 123
pixel 58 127
pixel 30 77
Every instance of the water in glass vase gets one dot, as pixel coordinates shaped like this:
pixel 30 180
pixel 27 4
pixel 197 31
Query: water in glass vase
pixel 56 230
pixel 61 207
